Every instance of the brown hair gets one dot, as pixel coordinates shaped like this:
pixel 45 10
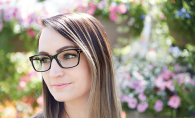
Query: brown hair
pixel 89 35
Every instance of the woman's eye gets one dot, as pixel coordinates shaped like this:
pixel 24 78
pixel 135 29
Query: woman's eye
pixel 45 60
pixel 69 56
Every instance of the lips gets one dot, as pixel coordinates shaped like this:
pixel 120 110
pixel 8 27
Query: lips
pixel 60 86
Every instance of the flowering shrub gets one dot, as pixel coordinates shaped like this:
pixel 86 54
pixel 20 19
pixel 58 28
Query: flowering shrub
pixel 117 11
pixel 15 31
pixel 182 13
pixel 154 83
pixel 20 87
pixel 151 77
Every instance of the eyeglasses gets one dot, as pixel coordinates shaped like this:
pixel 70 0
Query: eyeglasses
pixel 65 59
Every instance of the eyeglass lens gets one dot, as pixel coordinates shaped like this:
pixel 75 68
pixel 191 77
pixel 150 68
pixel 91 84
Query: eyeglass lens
pixel 66 59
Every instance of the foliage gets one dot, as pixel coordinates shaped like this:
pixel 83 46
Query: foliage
pixel 17 32
pixel 143 81
pixel 21 41
pixel 185 57
pixel 155 82
pixel 182 13
pixel 20 87
pixel 133 13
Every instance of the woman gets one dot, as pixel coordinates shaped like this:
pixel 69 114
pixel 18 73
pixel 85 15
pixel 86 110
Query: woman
pixel 78 79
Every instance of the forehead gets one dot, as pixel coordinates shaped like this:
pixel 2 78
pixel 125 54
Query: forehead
pixel 50 41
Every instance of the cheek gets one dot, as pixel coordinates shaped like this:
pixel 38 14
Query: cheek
pixel 82 75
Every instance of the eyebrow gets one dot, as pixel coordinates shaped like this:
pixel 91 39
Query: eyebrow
pixel 60 49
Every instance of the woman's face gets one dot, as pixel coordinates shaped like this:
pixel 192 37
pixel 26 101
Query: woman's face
pixel 64 84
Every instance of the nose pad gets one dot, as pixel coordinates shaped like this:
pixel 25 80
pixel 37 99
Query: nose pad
pixel 54 63
pixel 55 70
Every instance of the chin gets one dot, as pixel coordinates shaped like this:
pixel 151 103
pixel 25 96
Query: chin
pixel 60 97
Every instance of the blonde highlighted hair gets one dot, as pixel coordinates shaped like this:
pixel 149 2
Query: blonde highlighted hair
pixel 89 35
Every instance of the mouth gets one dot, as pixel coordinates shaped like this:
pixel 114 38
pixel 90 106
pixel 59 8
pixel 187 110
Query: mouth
pixel 60 86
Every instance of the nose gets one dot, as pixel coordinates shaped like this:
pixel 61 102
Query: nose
pixel 55 71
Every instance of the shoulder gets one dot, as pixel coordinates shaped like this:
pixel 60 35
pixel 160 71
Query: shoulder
pixel 38 115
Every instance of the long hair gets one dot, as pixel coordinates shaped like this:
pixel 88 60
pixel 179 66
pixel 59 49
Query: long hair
pixel 89 35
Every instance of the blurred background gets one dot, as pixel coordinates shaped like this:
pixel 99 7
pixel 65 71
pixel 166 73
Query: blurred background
pixel 153 43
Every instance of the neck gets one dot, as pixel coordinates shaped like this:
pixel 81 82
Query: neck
pixel 76 108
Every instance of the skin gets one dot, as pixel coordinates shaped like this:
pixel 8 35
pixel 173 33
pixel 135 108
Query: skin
pixel 74 96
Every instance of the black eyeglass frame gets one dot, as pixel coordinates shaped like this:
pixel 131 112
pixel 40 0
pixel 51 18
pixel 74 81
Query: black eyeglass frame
pixel 55 57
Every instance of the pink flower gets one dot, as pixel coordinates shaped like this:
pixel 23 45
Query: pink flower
pixel 1 25
pixel 7 17
pixel 40 100
pixel 31 33
pixel 180 78
pixel 142 97
pixel 174 101
pixel 132 103
pixel 140 89
pixel 170 86
pixel 28 76
pixel 92 8
pixel 192 82
pixel 125 98
pixel 113 16
pixel 8 14
pixel 133 84
pixel 113 7
pixel 17 13
pixel 166 74
pixel 158 105
pixel 177 68
pixel 25 79
pixel 22 84
pixel 31 18
pixel 121 9
pixel 121 80
pixel 81 8
pixel 183 79
pixel 123 114
pixel 92 5
pixel 8 1
pixel 101 4
pixel 33 73
pixel 91 11
pixel 142 107
pixel 127 76
pixel 160 83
